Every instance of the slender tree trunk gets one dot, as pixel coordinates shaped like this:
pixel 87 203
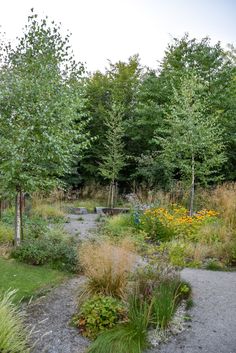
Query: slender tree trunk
pixel 192 188
pixel 109 197
pixel 17 221
pixel 112 193
pixel 21 214
pixel 1 204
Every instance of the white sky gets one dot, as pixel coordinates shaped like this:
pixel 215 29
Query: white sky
pixel 117 29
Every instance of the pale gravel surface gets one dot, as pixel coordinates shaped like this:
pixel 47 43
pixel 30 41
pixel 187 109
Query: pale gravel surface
pixel 213 326
pixel 82 226
pixel 212 329
pixel 50 316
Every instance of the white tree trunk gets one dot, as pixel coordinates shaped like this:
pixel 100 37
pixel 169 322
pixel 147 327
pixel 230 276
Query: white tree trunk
pixel 17 221
pixel 192 188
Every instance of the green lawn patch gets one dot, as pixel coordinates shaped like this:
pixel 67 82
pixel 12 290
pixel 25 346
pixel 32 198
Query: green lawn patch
pixel 28 280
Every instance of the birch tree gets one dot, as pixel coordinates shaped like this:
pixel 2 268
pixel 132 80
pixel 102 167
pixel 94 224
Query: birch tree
pixel 194 147
pixel 39 105
pixel 113 159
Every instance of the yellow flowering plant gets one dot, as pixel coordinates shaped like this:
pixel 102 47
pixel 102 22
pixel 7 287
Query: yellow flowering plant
pixel 163 224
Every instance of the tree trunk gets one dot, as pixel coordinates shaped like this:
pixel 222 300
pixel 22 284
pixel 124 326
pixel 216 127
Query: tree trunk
pixel 192 188
pixel 17 221
pixel 1 204
pixel 109 197
pixel 21 215
pixel 112 193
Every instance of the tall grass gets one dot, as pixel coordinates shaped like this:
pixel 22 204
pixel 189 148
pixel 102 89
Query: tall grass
pixel 126 338
pixel 107 267
pixel 6 233
pixel 13 337
pixel 164 303
pixel 48 212
pixel 223 199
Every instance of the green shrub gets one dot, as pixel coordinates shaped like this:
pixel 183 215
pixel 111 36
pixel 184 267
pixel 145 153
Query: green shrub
pixel 119 225
pixel 35 227
pixel 8 216
pixel 128 337
pixel 59 253
pixel 12 333
pixel 97 314
pixel 214 265
pixel 6 233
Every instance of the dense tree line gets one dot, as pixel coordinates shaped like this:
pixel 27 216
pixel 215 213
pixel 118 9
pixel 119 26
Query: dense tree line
pixel 148 99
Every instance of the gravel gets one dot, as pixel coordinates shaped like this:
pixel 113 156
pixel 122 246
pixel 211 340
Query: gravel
pixel 213 326
pixel 49 317
pixel 212 329
pixel 82 226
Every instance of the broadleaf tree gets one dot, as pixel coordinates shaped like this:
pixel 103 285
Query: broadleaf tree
pixel 193 148
pixel 113 159
pixel 40 104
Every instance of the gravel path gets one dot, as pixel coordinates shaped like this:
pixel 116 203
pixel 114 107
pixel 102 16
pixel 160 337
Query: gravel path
pixel 82 226
pixel 50 319
pixel 212 330
pixel 213 326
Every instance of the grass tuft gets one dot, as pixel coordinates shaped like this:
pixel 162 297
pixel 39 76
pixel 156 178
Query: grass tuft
pixel 107 267
pixel 13 337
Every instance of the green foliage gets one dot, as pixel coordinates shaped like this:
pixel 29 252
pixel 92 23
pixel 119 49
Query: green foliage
pixel 129 337
pixel 27 280
pixel 13 335
pixel 52 250
pixel 214 265
pixel 6 233
pixel 118 225
pixel 164 303
pixel 40 103
pixel 113 158
pixel 98 314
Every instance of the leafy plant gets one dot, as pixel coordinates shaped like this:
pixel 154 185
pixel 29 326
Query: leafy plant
pixel 128 337
pixel 98 314
pixel 13 336
pixel 57 252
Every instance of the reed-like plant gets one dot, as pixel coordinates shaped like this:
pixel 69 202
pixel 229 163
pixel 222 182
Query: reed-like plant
pixel 13 336
pixel 107 267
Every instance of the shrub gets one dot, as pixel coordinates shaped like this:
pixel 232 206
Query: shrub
pixel 6 234
pixel 36 227
pixel 55 251
pixel 97 314
pixel 129 337
pixel 8 216
pixel 13 337
pixel 118 225
pixel 107 267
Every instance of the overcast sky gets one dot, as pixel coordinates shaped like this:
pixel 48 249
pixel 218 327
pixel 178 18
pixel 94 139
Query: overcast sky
pixel 117 29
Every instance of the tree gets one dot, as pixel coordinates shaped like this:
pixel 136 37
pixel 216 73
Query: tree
pixel 117 85
pixel 113 159
pixel 39 106
pixel 194 146
pixel 216 67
